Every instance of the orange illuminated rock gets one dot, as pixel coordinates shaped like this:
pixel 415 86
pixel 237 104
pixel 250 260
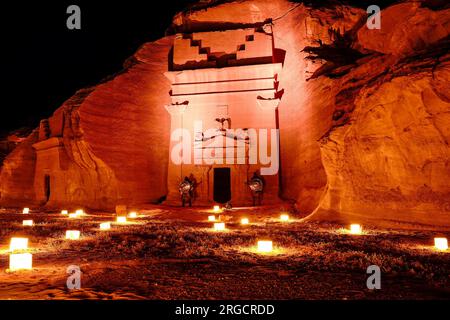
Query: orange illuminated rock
pixel 363 116
pixel 365 143
pixel 17 175
pixel 406 28
pixel 392 160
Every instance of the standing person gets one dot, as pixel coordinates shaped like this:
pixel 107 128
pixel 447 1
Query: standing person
pixel 256 185
pixel 186 189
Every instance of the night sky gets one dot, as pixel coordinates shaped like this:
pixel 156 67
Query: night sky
pixel 43 63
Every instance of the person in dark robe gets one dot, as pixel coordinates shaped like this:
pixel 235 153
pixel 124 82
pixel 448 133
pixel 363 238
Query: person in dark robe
pixel 186 189
pixel 256 185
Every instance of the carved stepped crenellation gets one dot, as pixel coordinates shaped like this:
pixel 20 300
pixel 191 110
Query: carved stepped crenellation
pixel 222 49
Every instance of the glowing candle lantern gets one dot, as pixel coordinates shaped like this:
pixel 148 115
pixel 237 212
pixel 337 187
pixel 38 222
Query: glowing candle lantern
pixel 20 261
pixel 284 217
pixel 73 216
pixel 121 219
pixel 64 212
pixel 219 226
pixel 441 243
pixel 265 246
pixel 18 244
pixel 216 209
pixel 105 226
pixel 212 218
pixel 27 223
pixel 355 229
pixel 72 234
pixel 244 221
pixel 132 215
pixel 26 210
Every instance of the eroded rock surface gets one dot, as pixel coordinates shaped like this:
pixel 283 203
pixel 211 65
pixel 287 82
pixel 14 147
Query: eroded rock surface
pixel 364 117
pixel 362 137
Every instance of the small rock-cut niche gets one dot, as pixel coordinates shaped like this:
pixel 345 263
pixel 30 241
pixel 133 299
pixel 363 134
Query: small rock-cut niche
pixel 203 51
pixel 195 43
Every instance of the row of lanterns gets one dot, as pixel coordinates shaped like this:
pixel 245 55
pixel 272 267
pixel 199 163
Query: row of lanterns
pixel 18 258
pixel 265 246
pixel 19 261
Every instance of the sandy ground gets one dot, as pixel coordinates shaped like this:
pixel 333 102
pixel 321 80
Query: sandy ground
pixel 172 253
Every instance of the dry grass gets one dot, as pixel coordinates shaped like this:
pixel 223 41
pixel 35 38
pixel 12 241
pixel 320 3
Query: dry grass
pixel 181 247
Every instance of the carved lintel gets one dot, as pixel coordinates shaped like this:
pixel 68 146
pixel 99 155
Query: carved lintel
pixel 48 144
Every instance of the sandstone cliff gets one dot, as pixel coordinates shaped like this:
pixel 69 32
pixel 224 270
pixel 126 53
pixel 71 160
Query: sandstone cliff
pixel 364 116
pixel 17 174
pixel 365 113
